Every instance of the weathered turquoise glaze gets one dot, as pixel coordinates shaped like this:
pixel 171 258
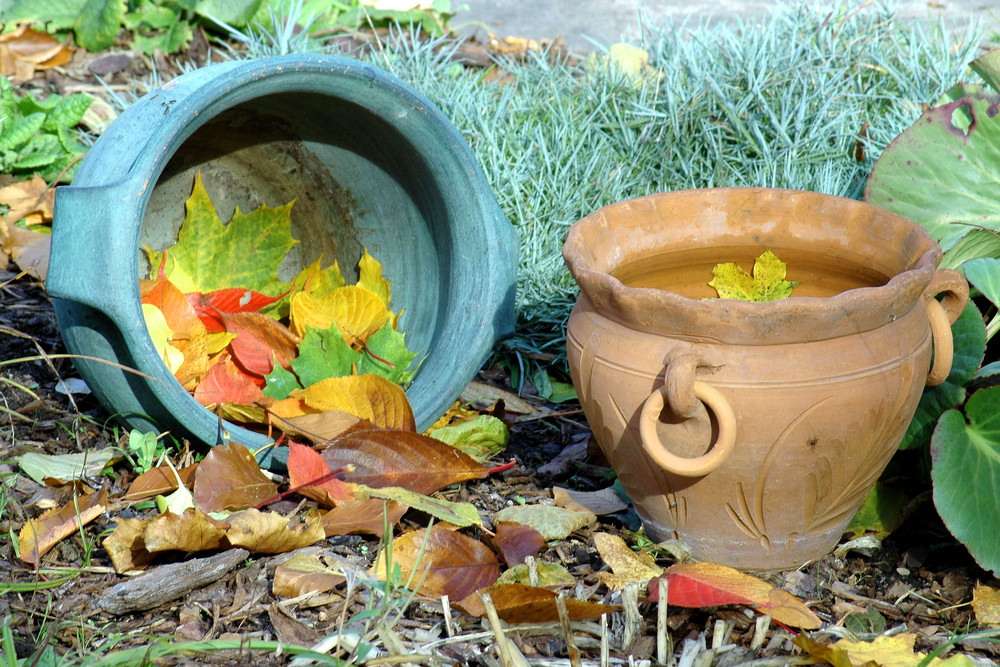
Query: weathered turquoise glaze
pixel 369 161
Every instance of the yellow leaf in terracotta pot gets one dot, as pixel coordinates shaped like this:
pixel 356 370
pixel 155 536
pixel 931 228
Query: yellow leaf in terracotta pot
pixel 368 396
pixel 766 284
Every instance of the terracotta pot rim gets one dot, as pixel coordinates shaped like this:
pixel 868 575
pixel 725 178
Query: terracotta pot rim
pixel 790 320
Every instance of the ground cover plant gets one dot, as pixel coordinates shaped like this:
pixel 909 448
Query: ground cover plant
pixel 558 136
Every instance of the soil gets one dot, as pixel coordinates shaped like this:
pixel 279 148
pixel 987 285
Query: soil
pixel 918 580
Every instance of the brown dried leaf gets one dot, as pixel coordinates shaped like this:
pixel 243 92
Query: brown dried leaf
pixel 230 479
pixel 368 517
pixel 41 534
pixel 479 392
pixel 158 481
pixel 26 50
pixel 305 573
pixel 191 531
pixel 271 533
pixel 319 427
pixel 517 603
pixel 401 458
pixel 456 565
pixel 986 604
pixel 126 547
pixel 605 501
pixel 516 542
pixel 32 199
pixel 28 249
pixel 369 396
pixel 260 340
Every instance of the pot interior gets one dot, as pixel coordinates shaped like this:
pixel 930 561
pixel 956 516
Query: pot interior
pixel 688 273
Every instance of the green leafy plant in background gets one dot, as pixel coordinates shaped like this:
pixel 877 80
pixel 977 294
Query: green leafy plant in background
pixel 38 136
pixel 943 172
pixel 167 25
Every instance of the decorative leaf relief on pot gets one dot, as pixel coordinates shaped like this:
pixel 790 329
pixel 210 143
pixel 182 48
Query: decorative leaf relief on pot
pixel 834 492
pixel 748 517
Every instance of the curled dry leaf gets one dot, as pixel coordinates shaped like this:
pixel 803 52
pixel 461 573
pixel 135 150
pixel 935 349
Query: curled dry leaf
pixel 191 531
pixel 626 565
pixel 125 546
pixel 229 479
pixel 31 200
pixel 442 562
pixel 26 50
pixel 158 481
pixel 305 573
pixel 41 534
pixel 517 603
pixel 271 533
pixel 711 584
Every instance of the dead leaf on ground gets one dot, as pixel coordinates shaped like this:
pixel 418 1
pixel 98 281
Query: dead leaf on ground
pixel 986 604
pixel 26 50
pixel 517 603
pixel 479 392
pixel 272 533
pixel 553 523
pixel 41 534
pixel 516 541
pixel 446 563
pixel 894 651
pixel 28 249
pixel 627 566
pixel 191 531
pixel 306 473
pixel 605 501
pixel 547 575
pixel 305 573
pixel 711 584
pixel 29 200
pixel 158 481
pixel 229 479
pixel 126 547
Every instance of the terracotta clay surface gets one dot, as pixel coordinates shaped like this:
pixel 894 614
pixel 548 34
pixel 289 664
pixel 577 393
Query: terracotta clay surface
pixel 754 431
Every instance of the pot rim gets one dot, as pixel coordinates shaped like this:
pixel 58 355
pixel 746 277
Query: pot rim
pixel 791 320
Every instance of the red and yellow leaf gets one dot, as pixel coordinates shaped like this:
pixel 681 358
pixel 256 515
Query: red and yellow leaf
pixel 310 476
pixel 41 534
pixel 226 383
pixel 260 341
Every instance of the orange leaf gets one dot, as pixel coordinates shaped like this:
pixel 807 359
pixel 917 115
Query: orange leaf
pixel 41 534
pixel 712 584
pixel 367 517
pixel 517 603
pixel 305 467
pixel 401 458
pixel 191 531
pixel 158 481
pixel 259 340
pixel 26 50
pixel 188 333
pixel 516 542
pixel 226 383
pixel 229 479
pixel 369 396
pixel 456 565
pixel 163 294
pixel 212 306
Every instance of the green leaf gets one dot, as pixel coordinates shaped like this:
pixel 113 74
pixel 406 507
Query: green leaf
pixel 457 513
pixel 969 335
pixel 157 17
pixel 245 253
pixel 976 243
pixel 883 510
pixel 965 456
pixel 67 112
pixel 480 438
pixel 29 105
pixel 98 23
pixel 323 353
pixel 942 176
pixel 280 383
pixel 988 67
pixel 8 105
pixel 554 523
pixel 236 13
pixel 56 14
pixel 984 274
pixel 169 40
pixel 388 345
pixel 549 574
pixel 22 131
pixel 35 161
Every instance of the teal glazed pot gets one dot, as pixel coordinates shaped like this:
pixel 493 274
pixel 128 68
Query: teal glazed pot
pixel 369 161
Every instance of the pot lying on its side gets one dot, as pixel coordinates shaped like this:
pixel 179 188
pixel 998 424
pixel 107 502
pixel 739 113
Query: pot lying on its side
pixel 369 162
pixel 754 431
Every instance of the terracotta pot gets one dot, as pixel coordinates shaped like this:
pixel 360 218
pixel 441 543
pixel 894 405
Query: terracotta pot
pixel 754 431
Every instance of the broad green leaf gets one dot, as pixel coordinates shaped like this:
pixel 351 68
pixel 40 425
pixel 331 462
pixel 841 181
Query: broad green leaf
pixel 323 354
pixel 280 383
pixel 480 438
pixel 456 513
pixel 66 467
pixel 171 39
pixel 883 510
pixel 965 469
pixel 976 243
pixel 969 334
pixel 21 131
pixel 29 105
pixel 766 284
pixel 157 17
pixel 989 370
pixel 386 354
pixel 8 105
pixel 236 13
pixel 67 112
pixel 56 14
pixel 245 253
pixel 984 274
pixel 988 67
pixel 553 523
pixel 98 23
pixel 942 176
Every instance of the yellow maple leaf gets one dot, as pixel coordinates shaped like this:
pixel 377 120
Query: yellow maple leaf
pixel 766 284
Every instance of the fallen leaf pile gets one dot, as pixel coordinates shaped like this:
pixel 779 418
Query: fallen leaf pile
pixel 254 348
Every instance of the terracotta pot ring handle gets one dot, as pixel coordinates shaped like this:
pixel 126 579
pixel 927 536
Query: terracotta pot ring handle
pixel 701 465
pixel 941 315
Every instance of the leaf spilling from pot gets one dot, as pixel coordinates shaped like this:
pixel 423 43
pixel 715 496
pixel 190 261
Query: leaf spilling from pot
pixel 767 283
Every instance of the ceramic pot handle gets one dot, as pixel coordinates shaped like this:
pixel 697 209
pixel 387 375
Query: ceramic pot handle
pixel 700 465
pixel 941 314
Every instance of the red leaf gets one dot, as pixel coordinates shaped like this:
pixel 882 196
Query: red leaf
pixel 226 383
pixel 259 340
pixel 210 307
pixel 517 541
pixel 305 467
